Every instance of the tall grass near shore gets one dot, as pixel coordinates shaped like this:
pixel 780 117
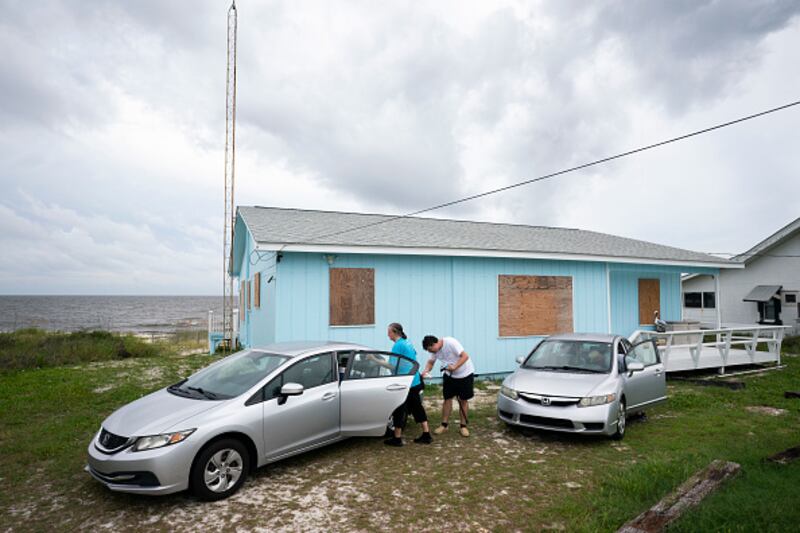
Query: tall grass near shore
pixel 36 348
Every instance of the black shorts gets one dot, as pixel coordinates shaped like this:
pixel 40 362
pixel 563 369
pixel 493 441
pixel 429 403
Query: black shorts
pixel 461 387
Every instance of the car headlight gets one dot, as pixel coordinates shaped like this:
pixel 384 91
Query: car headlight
pixel 152 442
pixel 597 400
pixel 509 392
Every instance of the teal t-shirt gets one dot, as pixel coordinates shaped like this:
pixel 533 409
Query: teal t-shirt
pixel 403 347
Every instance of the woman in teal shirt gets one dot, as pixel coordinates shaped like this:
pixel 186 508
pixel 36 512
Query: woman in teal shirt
pixel 413 401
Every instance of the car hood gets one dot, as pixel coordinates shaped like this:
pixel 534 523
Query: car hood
pixel 156 413
pixel 554 383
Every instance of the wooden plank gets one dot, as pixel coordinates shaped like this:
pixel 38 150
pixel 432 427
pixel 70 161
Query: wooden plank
pixel 786 456
pixel 534 305
pixel 352 296
pixel 688 495
pixel 257 290
pixel 649 300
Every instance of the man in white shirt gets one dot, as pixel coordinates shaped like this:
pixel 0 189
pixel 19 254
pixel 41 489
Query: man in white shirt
pixel 457 379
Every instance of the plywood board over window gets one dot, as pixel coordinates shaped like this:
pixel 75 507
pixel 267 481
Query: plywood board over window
pixel 352 296
pixel 257 290
pixel 249 299
pixel 534 305
pixel 649 300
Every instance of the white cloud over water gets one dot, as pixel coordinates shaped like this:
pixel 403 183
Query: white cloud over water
pixel 112 124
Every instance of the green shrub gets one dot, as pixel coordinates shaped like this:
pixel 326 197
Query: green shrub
pixel 35 348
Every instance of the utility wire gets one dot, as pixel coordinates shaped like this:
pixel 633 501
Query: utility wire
pixel 555 174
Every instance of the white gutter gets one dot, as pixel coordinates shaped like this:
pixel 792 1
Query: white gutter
pixel 469 252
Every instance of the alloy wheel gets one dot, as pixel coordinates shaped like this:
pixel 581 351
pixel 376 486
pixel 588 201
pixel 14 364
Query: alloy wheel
pixel 223 470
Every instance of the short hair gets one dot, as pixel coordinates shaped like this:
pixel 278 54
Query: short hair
pixel 429 341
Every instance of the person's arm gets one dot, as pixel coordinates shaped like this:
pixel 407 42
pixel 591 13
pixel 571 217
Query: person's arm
pixel 428 367
pixel 461 360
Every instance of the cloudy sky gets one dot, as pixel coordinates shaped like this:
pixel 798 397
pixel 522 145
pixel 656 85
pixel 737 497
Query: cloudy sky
pixel 112 124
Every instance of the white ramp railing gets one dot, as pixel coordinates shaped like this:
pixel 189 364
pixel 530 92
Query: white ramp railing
pixel 716 348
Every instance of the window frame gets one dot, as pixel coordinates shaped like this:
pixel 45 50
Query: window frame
pixel 260 395
pixel 351 356
pixel 633 348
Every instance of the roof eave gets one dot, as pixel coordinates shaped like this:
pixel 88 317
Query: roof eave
pixel 472 252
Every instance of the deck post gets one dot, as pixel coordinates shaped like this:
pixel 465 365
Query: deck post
pixel 717 305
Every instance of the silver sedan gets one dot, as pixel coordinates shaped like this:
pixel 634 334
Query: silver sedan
pixel 207 432
pixel 583 384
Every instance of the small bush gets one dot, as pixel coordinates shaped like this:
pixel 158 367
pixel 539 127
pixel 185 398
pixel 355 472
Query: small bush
pixel 35 348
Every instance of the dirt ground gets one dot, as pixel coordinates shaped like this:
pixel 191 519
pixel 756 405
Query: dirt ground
pixel 355 485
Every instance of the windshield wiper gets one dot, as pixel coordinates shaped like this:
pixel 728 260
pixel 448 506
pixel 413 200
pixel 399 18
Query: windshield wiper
pixel 568 367
pixel 208 394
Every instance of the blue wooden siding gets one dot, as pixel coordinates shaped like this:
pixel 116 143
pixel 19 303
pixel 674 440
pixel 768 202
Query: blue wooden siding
pixel 257 326
pixel 452 296
pixel 625 293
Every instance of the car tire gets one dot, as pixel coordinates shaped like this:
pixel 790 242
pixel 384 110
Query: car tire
pixel 219 469
pixel 622 414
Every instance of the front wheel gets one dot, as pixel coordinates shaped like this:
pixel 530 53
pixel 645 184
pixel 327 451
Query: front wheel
pixel 219 470
pixel 621 418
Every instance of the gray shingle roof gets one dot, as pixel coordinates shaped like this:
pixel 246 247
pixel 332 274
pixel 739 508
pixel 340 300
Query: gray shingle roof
pixel 280 226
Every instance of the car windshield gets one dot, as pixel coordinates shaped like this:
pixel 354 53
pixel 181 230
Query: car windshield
pixel 571 356
pixel 230 377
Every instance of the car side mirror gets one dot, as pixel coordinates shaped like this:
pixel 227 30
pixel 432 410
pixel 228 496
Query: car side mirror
pixel 635 366
pixel 289 389
pixel 520 360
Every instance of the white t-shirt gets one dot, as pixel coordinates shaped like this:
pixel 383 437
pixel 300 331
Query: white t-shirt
pixel 450 354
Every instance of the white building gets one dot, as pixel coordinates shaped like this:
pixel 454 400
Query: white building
pixel 764 292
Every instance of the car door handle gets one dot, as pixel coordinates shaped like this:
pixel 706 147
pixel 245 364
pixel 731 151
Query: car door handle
pixel 328 396
pixel 396 386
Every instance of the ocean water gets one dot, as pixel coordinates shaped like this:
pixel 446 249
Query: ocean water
pixel 135 314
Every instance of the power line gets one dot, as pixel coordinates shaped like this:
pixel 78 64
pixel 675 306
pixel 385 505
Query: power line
pixel 555 174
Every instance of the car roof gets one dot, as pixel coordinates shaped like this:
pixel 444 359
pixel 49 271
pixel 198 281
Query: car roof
pixel 587 337
pixel 295 349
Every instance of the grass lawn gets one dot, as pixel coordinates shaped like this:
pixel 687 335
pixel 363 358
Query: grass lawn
pixel 498 479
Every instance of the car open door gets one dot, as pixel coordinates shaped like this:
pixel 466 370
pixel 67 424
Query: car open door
pixel 648 386
pixel 374 385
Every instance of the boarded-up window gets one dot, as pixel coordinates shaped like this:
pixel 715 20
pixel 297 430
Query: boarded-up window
pixel 649 300
pixel 249 299
pixel 534 305
pixel 257 290
pixel 241 302
pixel 352 296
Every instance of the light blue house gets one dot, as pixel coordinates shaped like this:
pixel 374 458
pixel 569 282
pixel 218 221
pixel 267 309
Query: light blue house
pixel 498 288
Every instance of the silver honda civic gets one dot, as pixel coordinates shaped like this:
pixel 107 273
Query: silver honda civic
pixel 583 383
pixel 208 431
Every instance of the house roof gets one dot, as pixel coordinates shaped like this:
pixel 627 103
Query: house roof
pixel 786 232
pixel 762 293
pixel 306 230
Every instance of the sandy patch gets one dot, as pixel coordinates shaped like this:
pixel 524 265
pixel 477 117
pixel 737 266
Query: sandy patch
pixel 765 410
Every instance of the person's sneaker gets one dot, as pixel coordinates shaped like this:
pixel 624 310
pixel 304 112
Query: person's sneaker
pixel 425 438
pixel 394 441
pixel 464 431
pixel 441 429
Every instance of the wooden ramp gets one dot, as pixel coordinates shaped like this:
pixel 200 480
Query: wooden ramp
pixel 716 348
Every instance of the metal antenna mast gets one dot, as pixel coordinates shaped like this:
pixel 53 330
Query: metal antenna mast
pixel 230 166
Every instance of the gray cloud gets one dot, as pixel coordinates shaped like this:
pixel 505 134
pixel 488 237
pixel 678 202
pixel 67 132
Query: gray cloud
pixel 111 118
